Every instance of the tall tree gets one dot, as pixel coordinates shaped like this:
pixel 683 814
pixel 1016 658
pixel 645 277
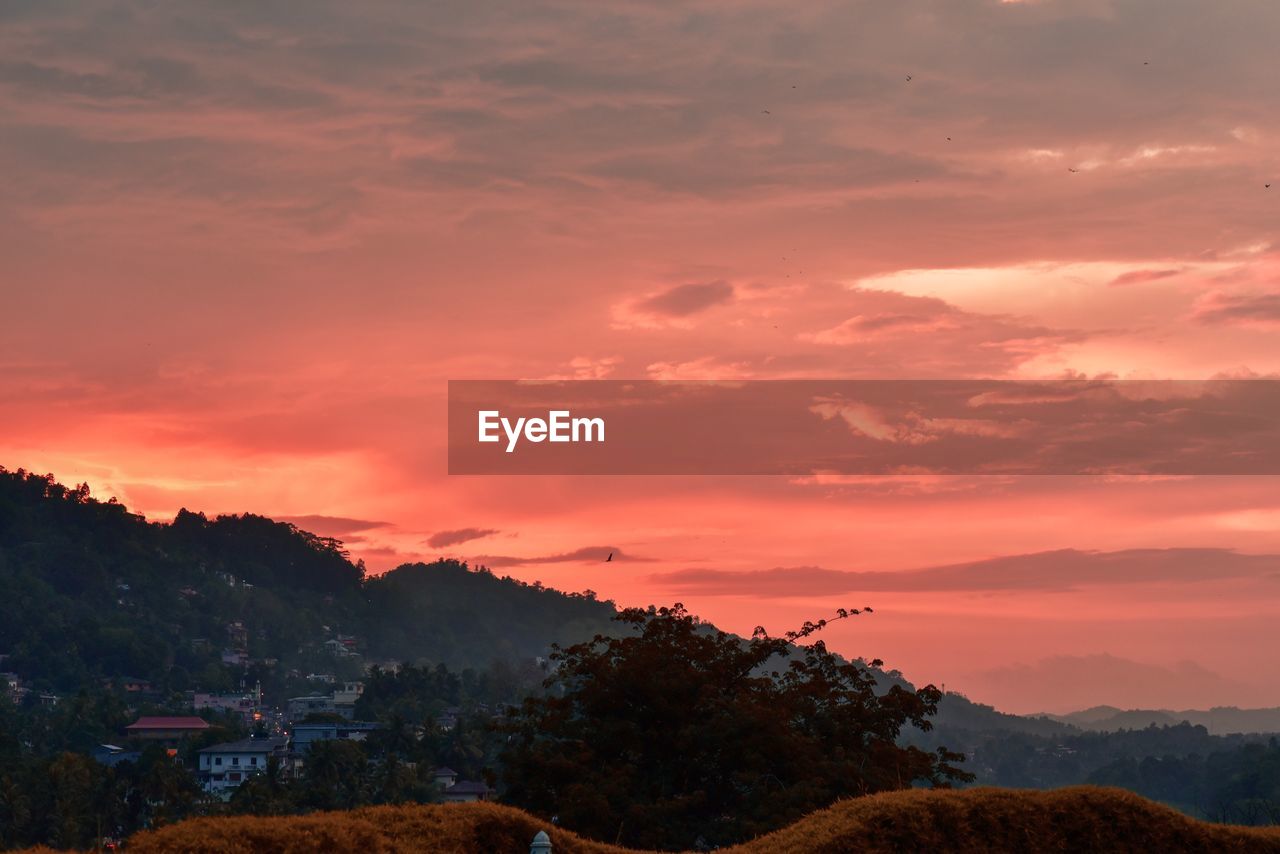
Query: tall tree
pixel 679 732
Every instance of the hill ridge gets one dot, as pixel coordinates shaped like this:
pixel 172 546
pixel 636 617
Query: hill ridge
pixel 1078 818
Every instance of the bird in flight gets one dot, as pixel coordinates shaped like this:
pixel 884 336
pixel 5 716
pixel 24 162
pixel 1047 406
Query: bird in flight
pixel 948 139
pixel 766 112
pixel 908 78
pixel 1069 169
pixel 609 558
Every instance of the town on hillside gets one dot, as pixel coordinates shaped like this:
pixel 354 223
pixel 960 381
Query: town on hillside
pixel 281 735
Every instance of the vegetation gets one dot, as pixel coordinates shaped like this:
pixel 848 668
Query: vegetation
pixel 656 729
pixel 677 732
pixel 90 591
pixel 982 819
pixel 1241 786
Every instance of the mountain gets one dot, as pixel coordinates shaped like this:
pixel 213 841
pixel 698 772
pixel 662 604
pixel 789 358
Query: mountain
pixel 1220 720
pixel 90 591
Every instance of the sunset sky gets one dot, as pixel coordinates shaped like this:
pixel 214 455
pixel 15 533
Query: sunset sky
pixel 243 247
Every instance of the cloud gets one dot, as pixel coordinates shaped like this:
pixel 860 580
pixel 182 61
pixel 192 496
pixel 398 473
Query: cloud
pixel 1060 570
pixel 587 368
pixel 331 526
pixel 861 327
pixel 704 368
pixel 1135 277
pixel 587 554
pixel 1240 309
pixel 442 539
pixel 684 300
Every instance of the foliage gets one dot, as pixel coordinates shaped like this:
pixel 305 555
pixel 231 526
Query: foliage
pixel 1240 786
pixel 90 591
pixel 679 732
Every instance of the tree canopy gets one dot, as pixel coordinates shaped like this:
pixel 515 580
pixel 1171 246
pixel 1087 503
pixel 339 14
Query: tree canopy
pixel 677 733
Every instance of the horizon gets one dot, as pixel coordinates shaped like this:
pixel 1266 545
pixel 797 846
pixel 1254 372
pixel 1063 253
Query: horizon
pixel 244 251
pixel 1089 675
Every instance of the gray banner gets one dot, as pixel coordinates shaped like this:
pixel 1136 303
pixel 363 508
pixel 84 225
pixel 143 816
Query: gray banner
pixel 797 427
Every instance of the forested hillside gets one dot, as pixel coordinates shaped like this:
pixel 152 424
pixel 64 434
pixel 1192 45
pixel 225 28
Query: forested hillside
pixel 89 590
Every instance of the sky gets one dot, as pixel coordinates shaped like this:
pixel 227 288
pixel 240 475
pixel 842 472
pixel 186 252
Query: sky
pixel 243 248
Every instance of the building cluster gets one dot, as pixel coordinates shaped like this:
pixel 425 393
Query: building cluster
pixel 12 688
pixel 223 768
pixel 340 700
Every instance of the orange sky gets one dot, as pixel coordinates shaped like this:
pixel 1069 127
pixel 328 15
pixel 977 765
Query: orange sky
pixel 242 249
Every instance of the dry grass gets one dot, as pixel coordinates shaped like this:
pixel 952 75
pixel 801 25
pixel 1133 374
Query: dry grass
pixel 1077 819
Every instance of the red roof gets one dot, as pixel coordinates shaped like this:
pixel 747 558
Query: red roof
pixel 180 722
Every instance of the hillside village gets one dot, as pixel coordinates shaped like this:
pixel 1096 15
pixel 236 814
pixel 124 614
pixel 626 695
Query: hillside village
pixel 280 735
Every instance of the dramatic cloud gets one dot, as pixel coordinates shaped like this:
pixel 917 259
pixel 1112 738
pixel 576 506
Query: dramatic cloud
pixel 442 539
pixel 243 247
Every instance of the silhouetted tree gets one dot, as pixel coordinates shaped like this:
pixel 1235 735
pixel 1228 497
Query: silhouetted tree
pixel 682 731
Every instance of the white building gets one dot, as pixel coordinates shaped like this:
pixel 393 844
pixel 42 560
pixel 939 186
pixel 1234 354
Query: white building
pixel 224 767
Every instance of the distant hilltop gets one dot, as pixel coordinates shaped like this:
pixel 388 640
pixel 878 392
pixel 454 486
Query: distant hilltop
pixel 1220 720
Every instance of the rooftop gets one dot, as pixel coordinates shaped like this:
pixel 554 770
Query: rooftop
pixel 248 745
pixel 189 722
pixel 466 787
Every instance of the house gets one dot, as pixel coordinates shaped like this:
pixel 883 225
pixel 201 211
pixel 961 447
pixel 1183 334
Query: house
pixel 305 735
pixel 235 656
pixel 244 705
pixel 466 792
pixel 11 686
pixel 168 728
pixel 237 634
pixel 338 649
pixel 312 704
pixel 446 777
pixel 112 755
pixel 223 767
pixel 347 693
pixel 129 684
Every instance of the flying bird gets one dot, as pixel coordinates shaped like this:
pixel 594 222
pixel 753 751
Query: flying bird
pixel 908 78
pixel 766 112
pixel 948 139
pixel 1069 169
pixel 609 558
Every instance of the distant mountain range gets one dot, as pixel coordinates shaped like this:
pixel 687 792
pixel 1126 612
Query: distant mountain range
pixel 1220 720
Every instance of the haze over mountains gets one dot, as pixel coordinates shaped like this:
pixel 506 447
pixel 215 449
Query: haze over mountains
pixel 1222 720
